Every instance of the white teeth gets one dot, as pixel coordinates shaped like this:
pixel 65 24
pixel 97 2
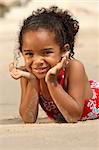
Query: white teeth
pixel 40 70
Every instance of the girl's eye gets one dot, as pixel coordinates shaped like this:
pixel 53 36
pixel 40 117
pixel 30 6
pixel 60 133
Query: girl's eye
pixel 29 54
pixel 47 52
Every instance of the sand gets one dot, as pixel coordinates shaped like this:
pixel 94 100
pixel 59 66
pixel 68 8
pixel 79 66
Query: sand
pixel 46 134
pixel 80 136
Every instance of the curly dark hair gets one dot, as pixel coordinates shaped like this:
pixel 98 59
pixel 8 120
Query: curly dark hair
pixel 55 20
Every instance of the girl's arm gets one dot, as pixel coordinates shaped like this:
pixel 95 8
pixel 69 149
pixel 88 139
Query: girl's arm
pixel 29 100
pixel 70 102
pixel 29 93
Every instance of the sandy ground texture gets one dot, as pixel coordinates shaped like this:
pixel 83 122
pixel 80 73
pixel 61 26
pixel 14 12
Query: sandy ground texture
pixel 45 134
pixel 80 136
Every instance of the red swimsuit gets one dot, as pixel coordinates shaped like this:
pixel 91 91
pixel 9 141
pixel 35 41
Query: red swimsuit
pixel 91 106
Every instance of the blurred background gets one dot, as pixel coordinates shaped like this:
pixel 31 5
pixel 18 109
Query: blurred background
pixel 12 13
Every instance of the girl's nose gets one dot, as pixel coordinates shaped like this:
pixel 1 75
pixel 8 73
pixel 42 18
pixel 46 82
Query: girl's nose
pixel 38 61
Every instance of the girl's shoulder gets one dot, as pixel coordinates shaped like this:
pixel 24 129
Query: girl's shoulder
pixel 75 62
pixel 75 72
pixel 75 66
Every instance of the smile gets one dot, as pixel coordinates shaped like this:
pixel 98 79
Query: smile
pixel 40 70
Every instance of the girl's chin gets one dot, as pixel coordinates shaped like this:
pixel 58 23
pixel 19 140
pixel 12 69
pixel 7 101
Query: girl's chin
pixel 40 76
pixel 40 73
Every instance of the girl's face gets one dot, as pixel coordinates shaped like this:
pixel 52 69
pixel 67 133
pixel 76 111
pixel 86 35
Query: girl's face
pixel 40 51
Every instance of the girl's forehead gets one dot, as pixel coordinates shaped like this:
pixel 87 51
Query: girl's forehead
pixel 39 34
pixel 40 38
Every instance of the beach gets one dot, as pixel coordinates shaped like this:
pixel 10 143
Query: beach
pixel 45 134
pixel 80 136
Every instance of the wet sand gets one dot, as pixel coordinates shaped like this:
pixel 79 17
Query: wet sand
pixel 46 134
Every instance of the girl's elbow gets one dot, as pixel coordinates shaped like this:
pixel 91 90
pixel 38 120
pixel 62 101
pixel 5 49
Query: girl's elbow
pixel 26 118
pixel 77 115
pixel 74 118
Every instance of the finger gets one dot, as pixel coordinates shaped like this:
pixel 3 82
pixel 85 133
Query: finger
pixel 53 72
pixel 14 76
pixel 59 66
pixel 11 66
pixel 16 72
pixel 67 55
pixel 15 63
pixel 23 68
pixel 65 61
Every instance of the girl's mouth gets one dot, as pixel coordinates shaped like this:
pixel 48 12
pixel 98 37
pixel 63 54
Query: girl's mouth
pixel 41 70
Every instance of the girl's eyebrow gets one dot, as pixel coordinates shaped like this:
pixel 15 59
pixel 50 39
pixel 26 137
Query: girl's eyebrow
pixel 46 49
pixel 25 50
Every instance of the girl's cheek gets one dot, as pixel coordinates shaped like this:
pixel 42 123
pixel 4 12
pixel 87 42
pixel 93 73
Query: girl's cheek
pixel 54 62
pixel 28 64
pixel 28 61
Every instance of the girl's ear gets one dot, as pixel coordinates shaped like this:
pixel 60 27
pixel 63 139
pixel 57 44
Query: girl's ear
pixel 65 50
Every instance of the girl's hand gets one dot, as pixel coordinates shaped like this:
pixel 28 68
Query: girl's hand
pixel 17 73
pixel 52 74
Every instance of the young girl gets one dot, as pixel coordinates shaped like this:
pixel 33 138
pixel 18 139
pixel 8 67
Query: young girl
pixel 51 76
